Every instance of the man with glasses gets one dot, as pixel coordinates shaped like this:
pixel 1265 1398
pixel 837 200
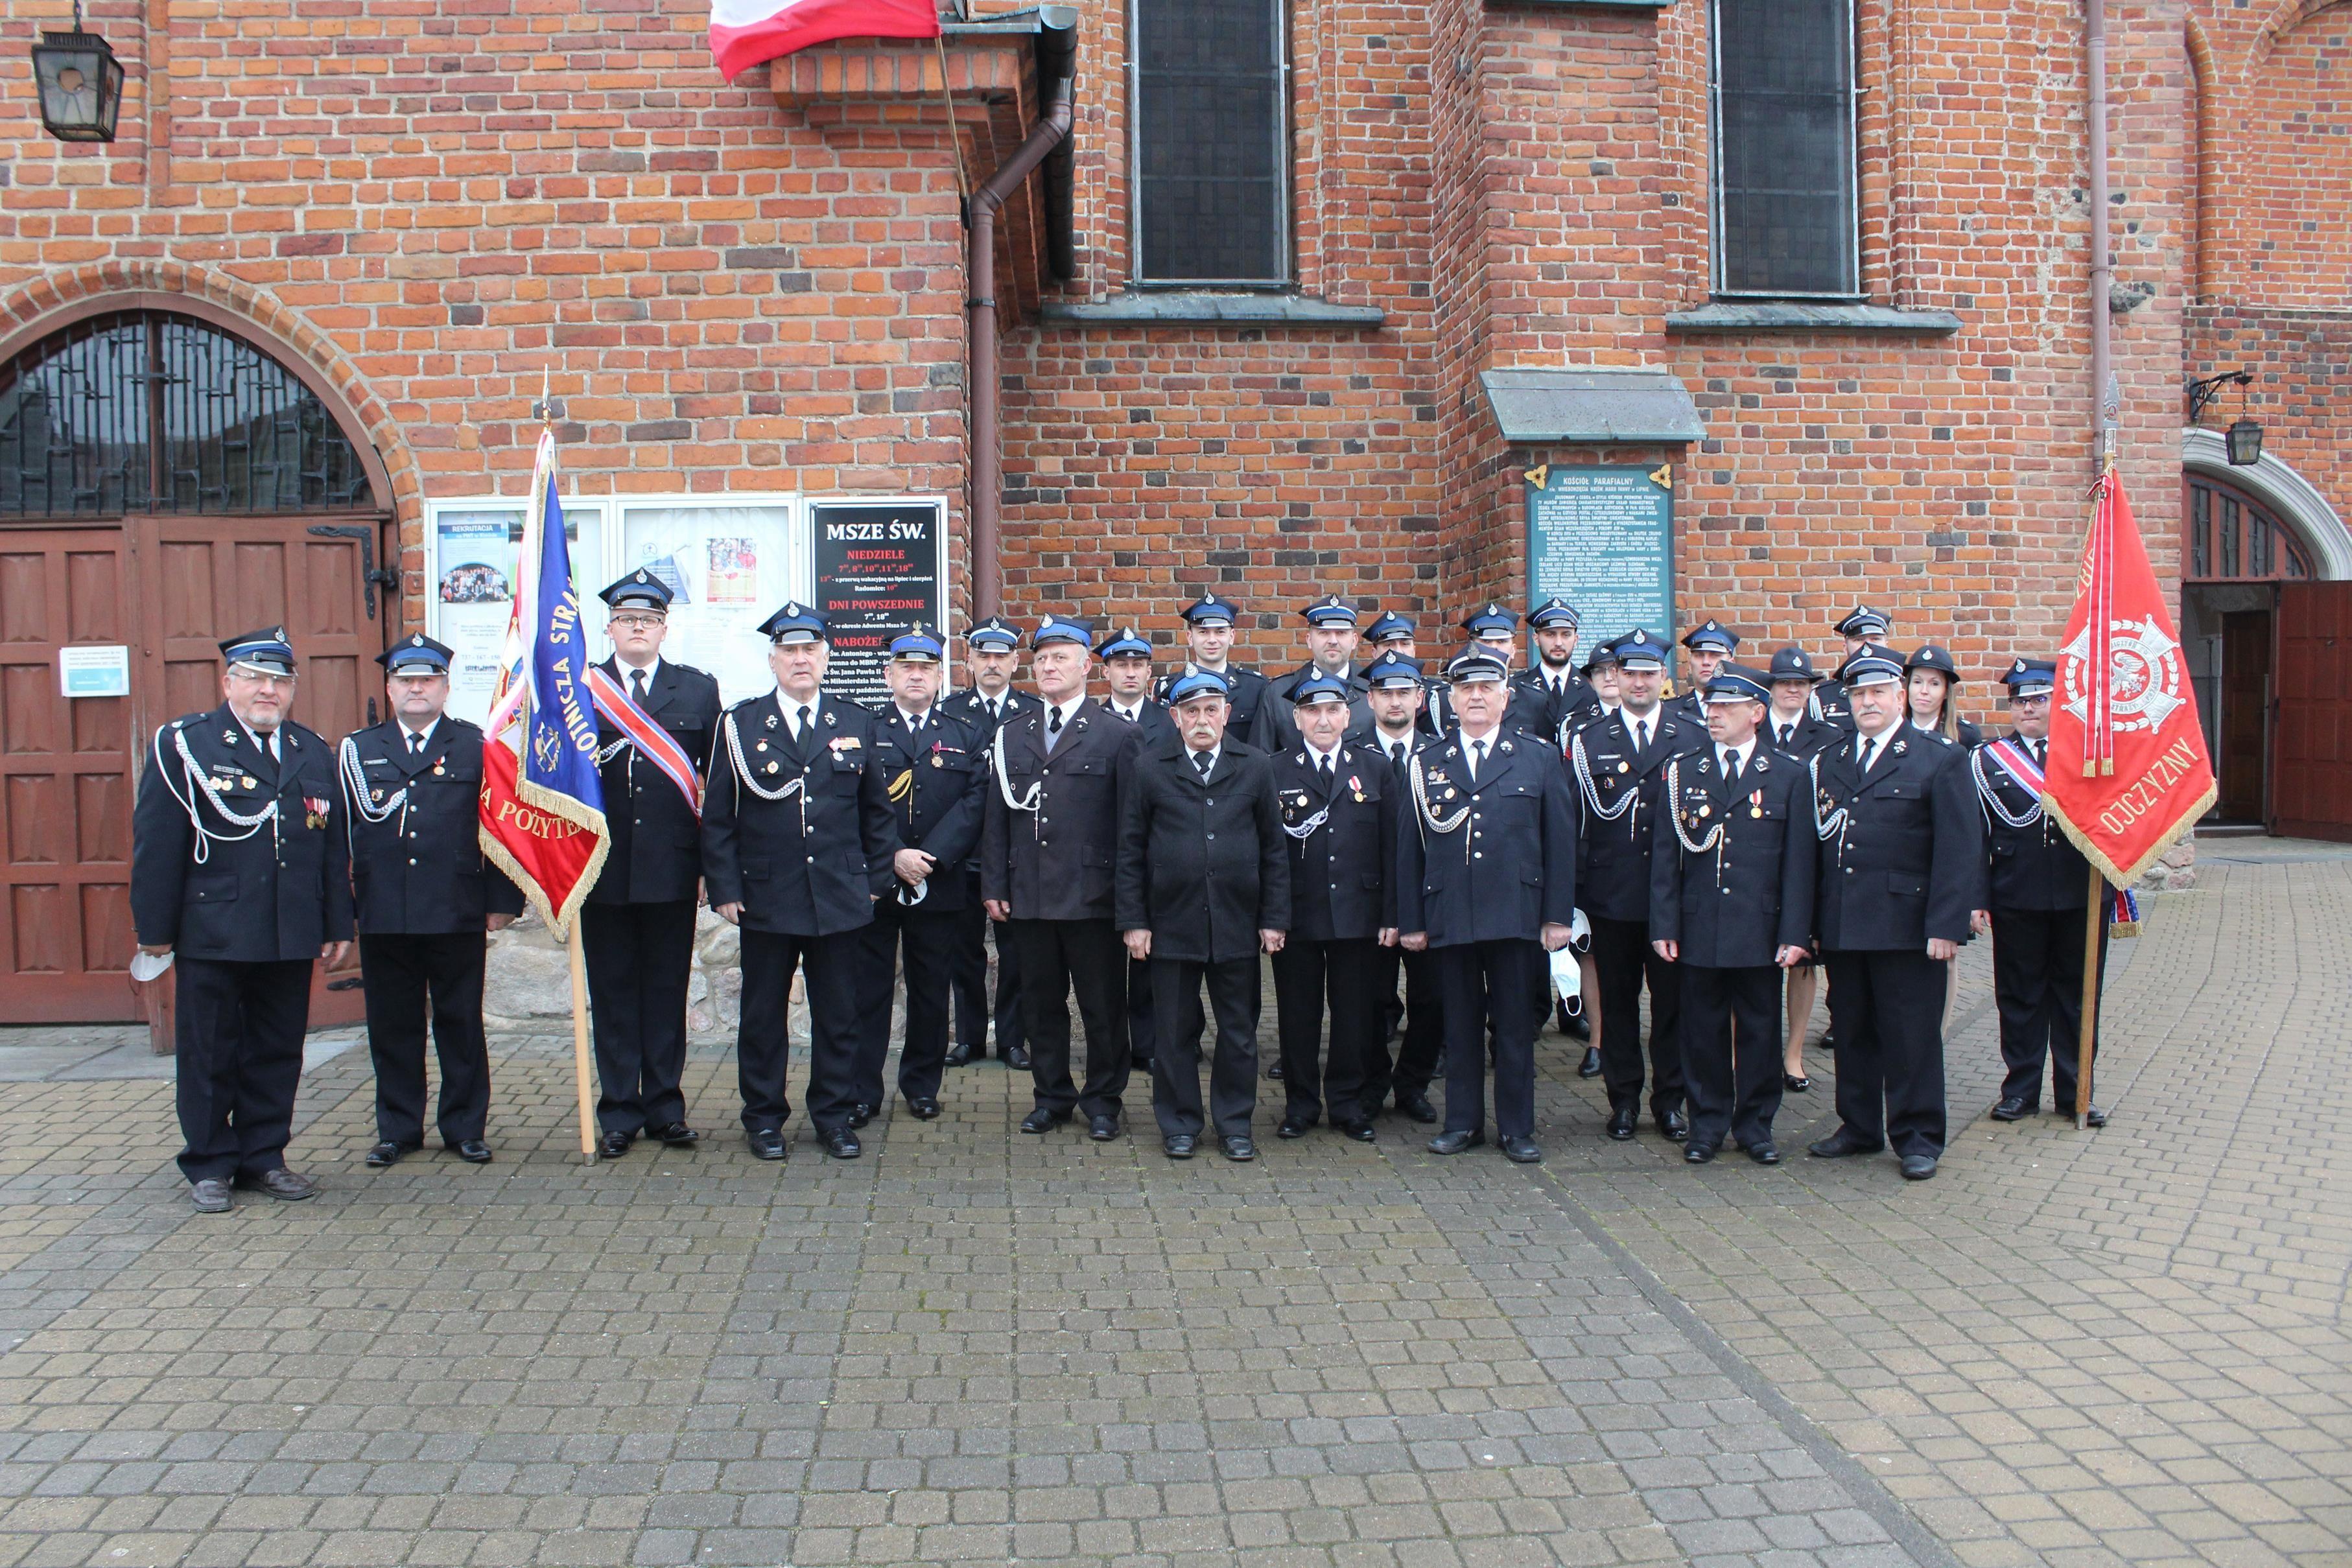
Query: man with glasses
pixel 2038 895
pixel 240 874
pixel 636 927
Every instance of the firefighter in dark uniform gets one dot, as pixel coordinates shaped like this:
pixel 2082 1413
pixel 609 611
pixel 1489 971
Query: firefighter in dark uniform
pixel 1902 860
pixel 1203 887
pixel 1048 844
pixel 1710 644
pixel 1395 733
pixel 933 761
pixel 240 869
pixel 1209 623
pixel 1731 905
pixel 1619 763
pixel 426 902
pixel 1793 727
pixel 993 649
pixel 636 927
pixel 1339 822
pixel 1861 627
pixel 1125 657
pixel 798 842
pixel 1934 682
pixel 1391 633
pixel 1494 628
pixel 1486 881
pixel 1599 673
pixel 2038 894
pixel 1331 636
pixel 1550 684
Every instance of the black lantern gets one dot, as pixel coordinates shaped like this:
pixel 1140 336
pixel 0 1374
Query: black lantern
pixel 2245 443
pixel 80 83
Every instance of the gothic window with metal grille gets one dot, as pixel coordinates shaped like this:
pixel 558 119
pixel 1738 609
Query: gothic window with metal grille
pixel 1210 82
pixel 145 410
pixel 2234 538
pixel 1785 198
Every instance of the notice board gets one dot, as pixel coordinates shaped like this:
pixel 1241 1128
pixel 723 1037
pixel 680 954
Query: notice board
pixel 1602 538
pixel 881 570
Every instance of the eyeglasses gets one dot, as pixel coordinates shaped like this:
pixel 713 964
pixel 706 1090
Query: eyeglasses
pixel 638 623
pixel 265 679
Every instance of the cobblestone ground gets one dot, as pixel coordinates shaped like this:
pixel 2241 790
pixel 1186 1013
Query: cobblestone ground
pixel 2111 1348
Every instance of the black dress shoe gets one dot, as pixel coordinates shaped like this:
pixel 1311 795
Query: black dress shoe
pixel 1292 1127
pixel 1623 1120
pixel 473 1152
pixel 612 1146
pixel 1764 1153
pixel 922 1108
pixel 1698 1154
pixel 1522 1151
pixel 1454 1143
pixel 957 1055
pixel 1591 1066
pixel 1918 1167
pixel 1841 1144
pixel 1178 1145
pixel 283 1185
pixel 1794 1084
pixel 2013 1109
pixel 674 1134
pixel 1416 1106
pixel 860 1114
pixel 210 1195
pixel 385 1154
pixel 842 1144
pixel 1674 1125
pixel 1016 1057
pixel 2094 1117
pixel 1238 1148
pixel 768 1143
pixel 1359 1130
pixel 1274 1073
pixel 1102 1129
pixel 1829 1043
pixel 1042 1120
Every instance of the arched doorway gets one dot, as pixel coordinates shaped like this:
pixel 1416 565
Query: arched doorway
pixel 168 477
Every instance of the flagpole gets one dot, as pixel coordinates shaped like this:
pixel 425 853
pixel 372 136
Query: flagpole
pixel 571 946
pixel 2089 1023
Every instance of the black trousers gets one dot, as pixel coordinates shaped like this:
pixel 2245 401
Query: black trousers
pixel 237 1033
pixel 1731 1052
pixel 926 938
pixel 1058 957
pixel 832 966
pixel 1349 973
pixel 1176 1068
pixel 1490 993
pixel 403 975
pixel 973 1010
pixel 1888 1011
pixel 1423 1015
pixel 2037 983
pixel 1623 959
pixel 639 958
pixel 1142 1022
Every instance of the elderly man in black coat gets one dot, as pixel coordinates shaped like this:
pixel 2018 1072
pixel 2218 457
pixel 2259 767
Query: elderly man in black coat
pixel 1203 886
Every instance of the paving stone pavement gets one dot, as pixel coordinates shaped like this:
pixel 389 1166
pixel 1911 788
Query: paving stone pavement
pixel 2120 1347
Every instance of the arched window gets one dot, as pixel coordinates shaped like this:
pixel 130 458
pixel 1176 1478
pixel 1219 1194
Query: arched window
pixel 147 410
pixel 2232 538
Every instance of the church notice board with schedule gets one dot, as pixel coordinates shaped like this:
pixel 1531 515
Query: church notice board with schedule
pixel 881 570
pixel 1602 538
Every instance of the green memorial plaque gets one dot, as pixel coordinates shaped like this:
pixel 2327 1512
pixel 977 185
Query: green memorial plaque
pixel 1604 539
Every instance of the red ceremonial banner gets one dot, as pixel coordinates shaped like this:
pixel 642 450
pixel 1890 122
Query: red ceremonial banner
pixel 2129 772
pixel 745 32
pixel 553 860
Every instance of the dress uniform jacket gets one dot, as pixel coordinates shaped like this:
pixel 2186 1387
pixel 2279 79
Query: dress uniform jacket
pixel 972 1009
pixel 2034 867
pixel 1275 730
pixel 972 709
pixel 1340 887
pixel 1053 858
pixel 809 864
pixel 1244 701
pixel 1152 718
pixel 1620 787
pixel 1806 737
pixel 420 869
pixel 1906 863
pixel 656 853
pixel 1507 869
pixel 1536 707
pixel 276 893
pixel 1201 865
pixel 2037 887
pixel 1738 903
pixel 934 780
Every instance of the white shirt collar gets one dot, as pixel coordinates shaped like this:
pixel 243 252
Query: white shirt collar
pixel 1130 714
pixel 630 672
pixel 1389 743
pixel 425 734
pixel 1193 757
pixel 1742 752
pixel 905 717
pixel 1065 710
pixel 1315 759
pixel 792 707
pixel 255 736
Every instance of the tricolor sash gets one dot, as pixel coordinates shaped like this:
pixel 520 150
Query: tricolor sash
pixel 639 729
pixel 2018 763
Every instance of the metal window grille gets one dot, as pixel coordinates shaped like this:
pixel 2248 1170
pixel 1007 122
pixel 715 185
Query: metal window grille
pixel 2232 536
pixel 1210 83
pixel 148 411
pixel 1787 209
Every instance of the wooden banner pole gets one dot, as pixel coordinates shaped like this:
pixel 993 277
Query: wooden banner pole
pixel 2090 1020
pixel 580 1041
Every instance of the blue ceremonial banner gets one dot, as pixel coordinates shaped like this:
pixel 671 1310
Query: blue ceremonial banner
pixel 543 800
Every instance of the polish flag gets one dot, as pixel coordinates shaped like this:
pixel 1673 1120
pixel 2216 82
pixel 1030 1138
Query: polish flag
pixel 745 32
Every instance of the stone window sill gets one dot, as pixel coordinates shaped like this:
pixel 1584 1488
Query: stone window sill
pixel 1177 308
pixel 1784 316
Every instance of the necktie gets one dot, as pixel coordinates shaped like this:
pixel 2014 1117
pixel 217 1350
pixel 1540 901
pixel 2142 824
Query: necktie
pixel 2037 753
pixel 1731 768
pixel 1201 764
pixel 1323 766
pixel 1052 726
pixel 637 686
pixel 270 746
pixel 415 744
pixel 1640 734
pixel 914 726
pixel 801 725
pixel 1786 730
pixel 1396 753
pixel 1869 754
pixel 1478 758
